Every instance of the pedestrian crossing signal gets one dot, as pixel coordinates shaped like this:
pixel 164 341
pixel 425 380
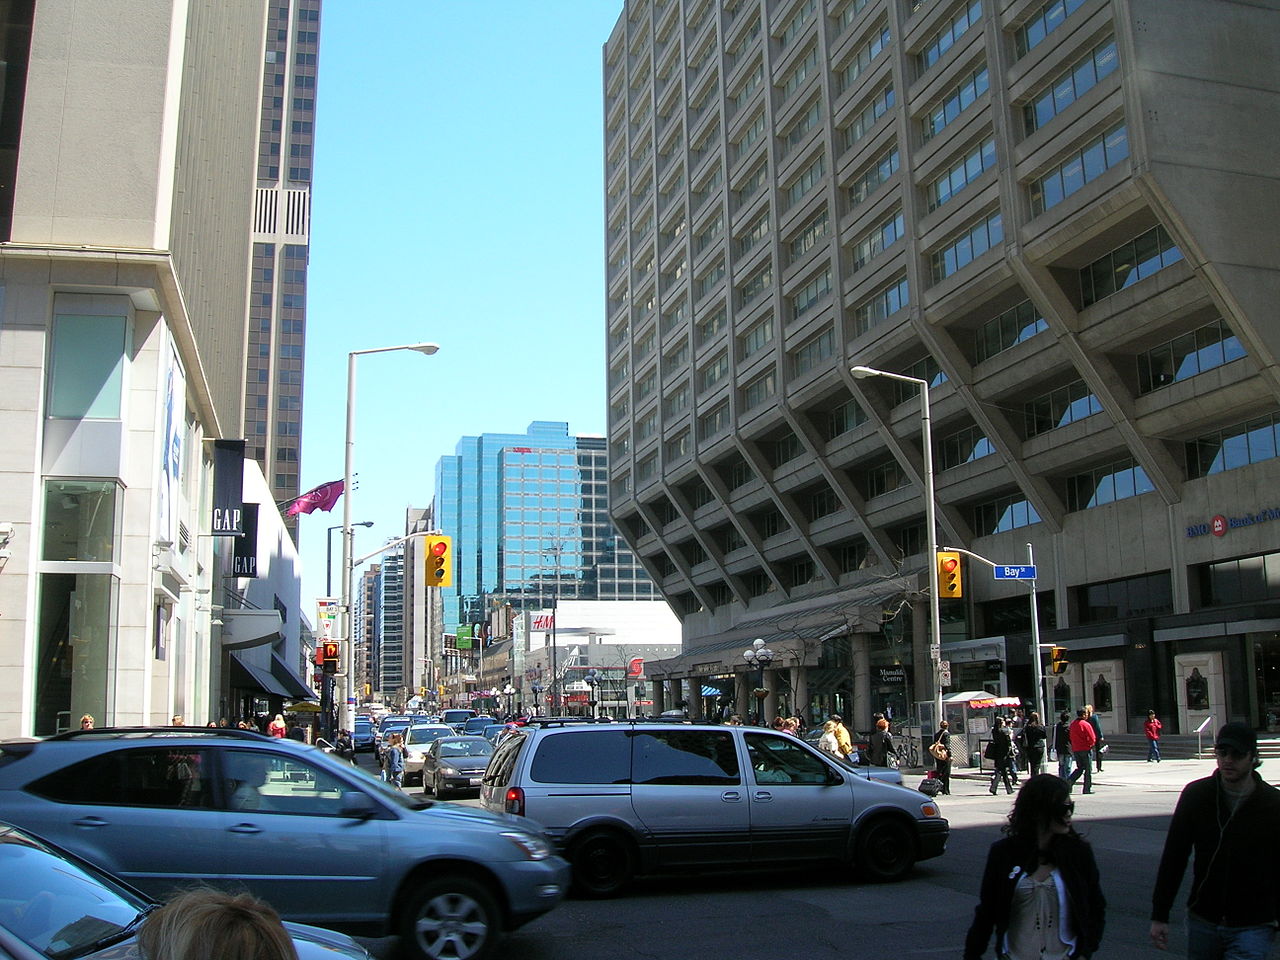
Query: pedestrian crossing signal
pixel 1058 660
pixel 439 561
pixel 329 650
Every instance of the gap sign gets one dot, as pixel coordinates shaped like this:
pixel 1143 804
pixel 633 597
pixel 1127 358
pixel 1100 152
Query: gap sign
pixel 1026 571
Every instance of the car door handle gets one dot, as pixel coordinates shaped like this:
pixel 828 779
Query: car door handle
pixel 762 796
pixel 245 828
pixel 89 822
pixel 731 796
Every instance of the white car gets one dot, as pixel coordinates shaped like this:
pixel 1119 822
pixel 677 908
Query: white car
pixel 417 739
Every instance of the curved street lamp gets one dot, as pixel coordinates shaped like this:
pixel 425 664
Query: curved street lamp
pixel 759 656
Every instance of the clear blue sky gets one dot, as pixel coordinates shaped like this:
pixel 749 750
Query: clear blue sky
pixel 457 198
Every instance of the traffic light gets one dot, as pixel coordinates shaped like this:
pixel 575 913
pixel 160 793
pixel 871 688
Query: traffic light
pixel 329 649
pixel 439 561
pixel 949 586
pixel 1058 660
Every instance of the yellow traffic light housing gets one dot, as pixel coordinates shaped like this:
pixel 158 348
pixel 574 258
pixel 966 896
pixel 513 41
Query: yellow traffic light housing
pixel 949 581
pixel 439 552
pixel 1058 660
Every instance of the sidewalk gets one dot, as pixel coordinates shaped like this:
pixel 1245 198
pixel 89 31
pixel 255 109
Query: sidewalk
pixel 1169 775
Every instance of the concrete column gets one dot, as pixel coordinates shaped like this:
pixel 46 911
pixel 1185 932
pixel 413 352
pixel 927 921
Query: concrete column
pixel 771 701
pixel 694 686
pixel 921 662
pixel 742 693
pixel 861 683
pixel 800 689
pixel 673 695
pixel 658 693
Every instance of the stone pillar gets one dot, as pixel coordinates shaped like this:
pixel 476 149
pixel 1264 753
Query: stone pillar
pixel 742 693
pixel 861 683
pixel 771 701
pixel 695 697
pixel 673 695
pixel 921 661
pixel 657 693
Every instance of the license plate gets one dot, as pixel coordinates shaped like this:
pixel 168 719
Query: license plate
pixel 475 781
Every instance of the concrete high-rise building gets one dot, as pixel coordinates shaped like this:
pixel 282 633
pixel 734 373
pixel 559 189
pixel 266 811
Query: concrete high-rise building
pixel 529 518
pixel 391 676
pixel 1060 215
pixel 127 141
pixel 277 302
pixel 367 624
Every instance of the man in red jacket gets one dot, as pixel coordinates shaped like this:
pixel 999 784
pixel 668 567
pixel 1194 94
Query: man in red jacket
pixel 1083 740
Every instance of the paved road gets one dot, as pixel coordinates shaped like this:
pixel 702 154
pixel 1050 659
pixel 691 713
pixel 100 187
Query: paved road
pixel 819 916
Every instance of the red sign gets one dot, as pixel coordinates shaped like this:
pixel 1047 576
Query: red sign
pixel 544 621
pixel 636 667
pixel 1219 525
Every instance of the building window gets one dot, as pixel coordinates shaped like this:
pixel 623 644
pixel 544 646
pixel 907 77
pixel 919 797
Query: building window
pixel 81 520
pixel 945 39
pixel 1086 164
pixel 1106 484
pixel 1070 85
pixel 647 426
pixel 1124 266
pixel 707 282
pixel 770 523
pixel 759 390
pixel 796 133
pixel 1042 23
pixel 677 400
pixel 882 304
pixel 866 118
pixel 823 502
pixel 755 233
pixel 1183 357
pixel 646 385
pixel 980 159
pixel 865 56
pixel 797 23
pixel 784 450
pixel 799 188
pixel 844 418
pixel 850 11
pixel 884 478
pixel 882 236
pixel 876 173
pixel 1246 580
pixel 926 369
pixel 1018 323
pixel 678 446
pixel 1235 446
pixel 717 421
pixel 1003 514
pixel 1149 595
pixel 809 235
pixel 964 446
pixel 86 367
pixel 956 102
pixel 713 372
pixel 1059 407
pixel 761 281
pixel 799 73
pixel 813 352
pixel 740 474
pixel 973 242
pixel 811 293
pixel 749 136
pixel 708 327
pixel 758 337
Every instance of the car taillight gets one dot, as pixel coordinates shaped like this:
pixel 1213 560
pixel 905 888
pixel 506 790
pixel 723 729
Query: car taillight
pixel 515 801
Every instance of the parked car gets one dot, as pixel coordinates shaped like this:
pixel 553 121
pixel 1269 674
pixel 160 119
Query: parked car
pixel 457 716
pixel 320 839
pixel 362 735
pixel 55 905
pixel 472 726
pixel 631 798
pixel 417 739
pixel 455 763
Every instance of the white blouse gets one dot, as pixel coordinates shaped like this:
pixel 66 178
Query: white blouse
pixel 1037 920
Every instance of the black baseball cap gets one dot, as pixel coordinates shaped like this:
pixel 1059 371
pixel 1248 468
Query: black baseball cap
pixel 1238 736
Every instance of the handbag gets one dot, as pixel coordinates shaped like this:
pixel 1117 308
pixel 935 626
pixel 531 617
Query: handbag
pixel 989 752
pixel 937 750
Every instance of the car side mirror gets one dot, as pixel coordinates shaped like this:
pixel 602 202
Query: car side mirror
pixel 355 805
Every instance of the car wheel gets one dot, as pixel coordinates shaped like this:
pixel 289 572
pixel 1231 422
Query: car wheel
pixel 886 849
pixel 438 788
pixel 453 918
pixel 603 864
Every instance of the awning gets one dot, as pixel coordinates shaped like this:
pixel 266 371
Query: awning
pixel 245 676
pixel 298 690
pixel 981 700
pixel 242 629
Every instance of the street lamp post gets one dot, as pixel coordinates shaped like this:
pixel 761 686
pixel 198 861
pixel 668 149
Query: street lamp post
pixel 759 656
pixel 593 681
pixel 509 691
pixel 930 522
pixel 328 556
pixel 348 614
pixel 536 689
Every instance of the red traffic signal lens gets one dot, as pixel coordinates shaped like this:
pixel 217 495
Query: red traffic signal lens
pixel 950 564
pixel 439 548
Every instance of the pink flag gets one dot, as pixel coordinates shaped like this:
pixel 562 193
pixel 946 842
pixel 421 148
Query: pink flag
pixel 322 497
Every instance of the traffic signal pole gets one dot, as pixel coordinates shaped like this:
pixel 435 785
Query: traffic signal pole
pixel 1040 700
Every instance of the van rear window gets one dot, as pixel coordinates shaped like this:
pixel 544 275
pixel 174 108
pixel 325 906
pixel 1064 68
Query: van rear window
pixel 601 756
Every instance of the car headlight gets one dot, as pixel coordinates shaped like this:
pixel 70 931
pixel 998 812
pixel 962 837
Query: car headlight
pixel 448 771
pixel 534 848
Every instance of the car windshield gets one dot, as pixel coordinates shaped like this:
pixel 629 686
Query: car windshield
pixel 426 734
pixel 56 906
pixel 466 748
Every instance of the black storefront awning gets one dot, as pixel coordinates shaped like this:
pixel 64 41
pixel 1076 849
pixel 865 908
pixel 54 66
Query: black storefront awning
pixel 289 680
pixel 247 677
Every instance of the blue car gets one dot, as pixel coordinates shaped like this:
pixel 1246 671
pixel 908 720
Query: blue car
pixel 362 735
pixel 321 840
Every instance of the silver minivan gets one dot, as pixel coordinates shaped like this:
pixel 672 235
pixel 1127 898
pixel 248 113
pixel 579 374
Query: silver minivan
pixel 636 798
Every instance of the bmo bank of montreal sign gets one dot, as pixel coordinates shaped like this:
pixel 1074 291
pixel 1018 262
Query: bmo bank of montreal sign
pixel 1219 525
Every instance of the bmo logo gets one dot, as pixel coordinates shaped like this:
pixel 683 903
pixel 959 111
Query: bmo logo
pixel 1218 525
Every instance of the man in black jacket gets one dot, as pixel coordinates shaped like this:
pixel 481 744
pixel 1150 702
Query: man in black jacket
pixel 1232 822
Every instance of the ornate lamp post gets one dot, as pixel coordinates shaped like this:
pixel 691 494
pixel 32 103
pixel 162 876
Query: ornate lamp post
pixel 509 691
pixel 759 656
pixel 536 689
pixel 593 681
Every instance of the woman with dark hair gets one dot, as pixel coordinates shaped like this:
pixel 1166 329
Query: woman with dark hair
pixel 1000 752
pixel 1040 890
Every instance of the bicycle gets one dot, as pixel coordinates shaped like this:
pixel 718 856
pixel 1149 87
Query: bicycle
pixel 907 750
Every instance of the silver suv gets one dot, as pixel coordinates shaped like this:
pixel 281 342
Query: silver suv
pixel 633 798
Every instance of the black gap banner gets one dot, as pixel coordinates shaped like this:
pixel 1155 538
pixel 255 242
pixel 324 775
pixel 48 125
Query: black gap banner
pixel 228 488
pixel 244 561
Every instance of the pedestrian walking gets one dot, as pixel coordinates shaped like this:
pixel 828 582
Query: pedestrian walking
pixel 880 745
pixel 1231 822
pixel 1034 736
pixel 277 727
pixel 1083 740
pixel 1062 744
pixel 1152 729
pixel 393 760
pixel 86 722
pixel 999 751
pixel 829 742
pixel 941 751
pixel 842 736
pixel 1041 892
pixel 1100 745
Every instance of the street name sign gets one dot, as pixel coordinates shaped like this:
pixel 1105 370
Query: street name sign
pixel 1026 571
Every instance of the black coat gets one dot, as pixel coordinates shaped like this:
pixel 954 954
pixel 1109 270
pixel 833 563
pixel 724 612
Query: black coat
pixel 1007 861
pixel 1034 734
